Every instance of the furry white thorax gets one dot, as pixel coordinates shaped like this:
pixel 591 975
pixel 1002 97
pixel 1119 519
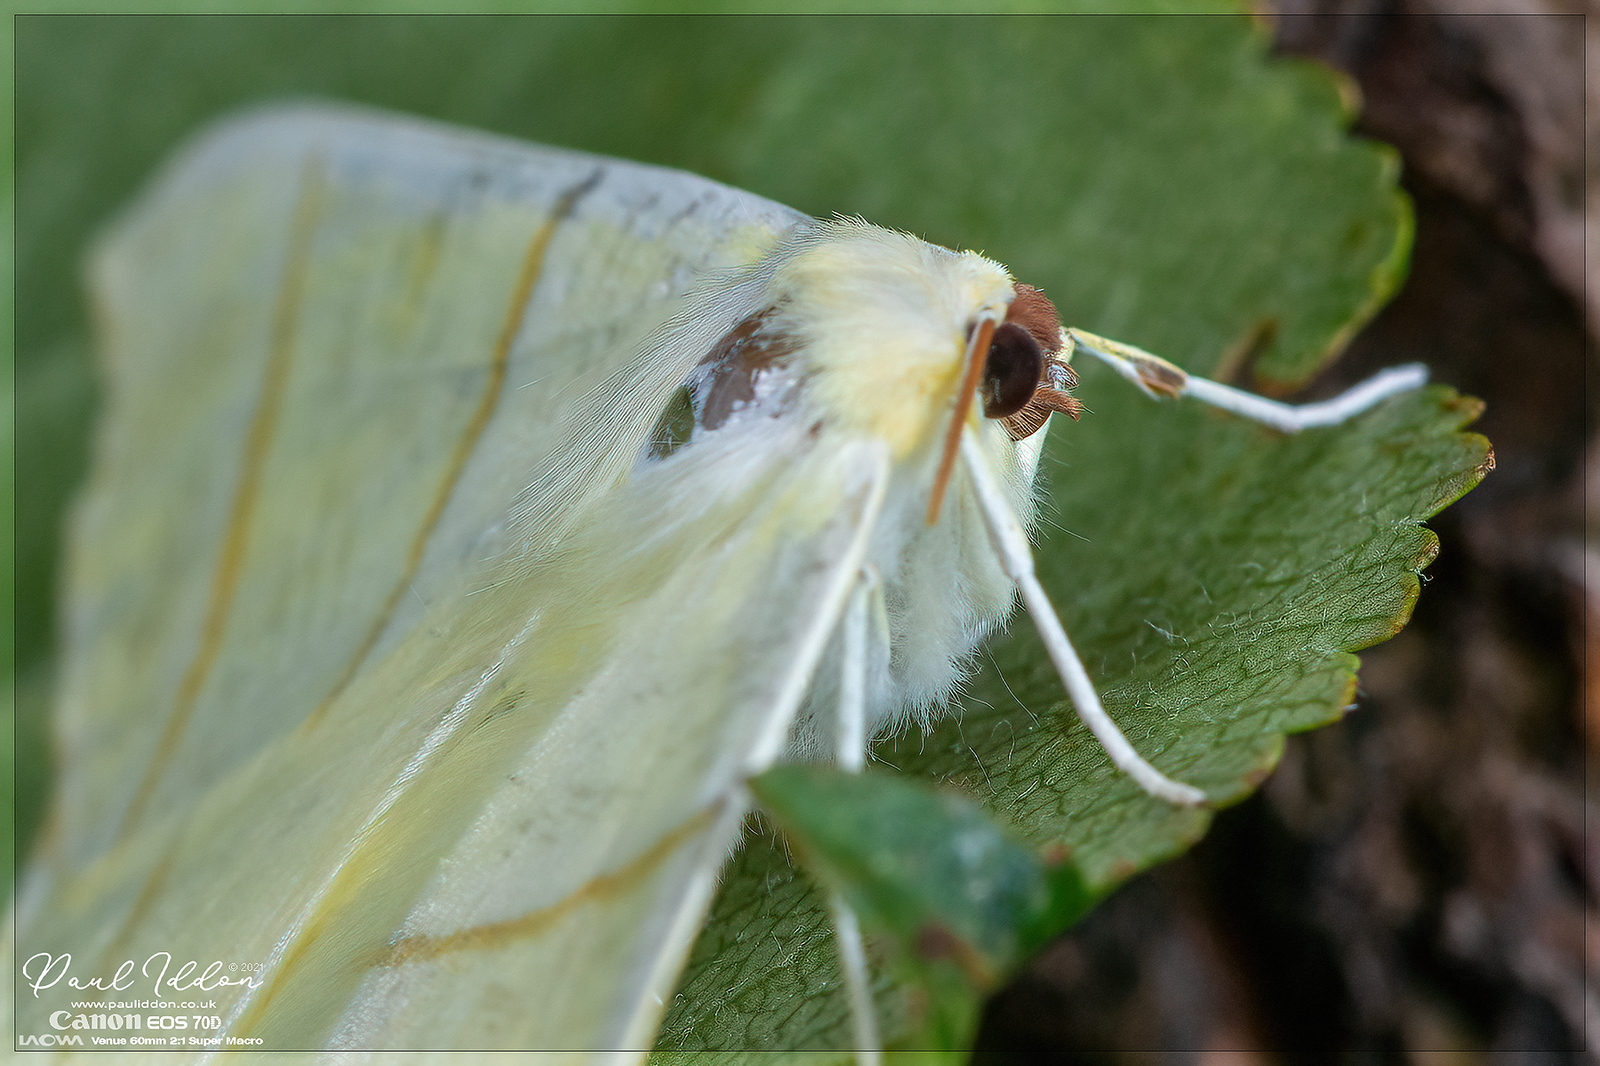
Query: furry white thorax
pixel 881 322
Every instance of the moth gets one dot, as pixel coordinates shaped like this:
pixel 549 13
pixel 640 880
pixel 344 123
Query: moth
pixel 469 521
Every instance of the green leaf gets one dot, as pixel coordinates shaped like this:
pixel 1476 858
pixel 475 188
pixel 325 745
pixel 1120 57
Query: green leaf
pixel 960 900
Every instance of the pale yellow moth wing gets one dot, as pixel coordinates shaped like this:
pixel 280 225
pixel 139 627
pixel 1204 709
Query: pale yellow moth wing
pixel 301 727
pixel 561 915
pixel 336 347
pixel 505 833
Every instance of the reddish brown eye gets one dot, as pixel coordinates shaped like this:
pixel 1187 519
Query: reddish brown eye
pixel 1011 372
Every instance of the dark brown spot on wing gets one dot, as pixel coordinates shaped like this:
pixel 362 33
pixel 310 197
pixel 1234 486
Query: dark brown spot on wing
pixel 748 367
pixel 747 352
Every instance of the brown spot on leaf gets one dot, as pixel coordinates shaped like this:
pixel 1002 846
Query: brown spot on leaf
pixel 1056 854
pixel 935 942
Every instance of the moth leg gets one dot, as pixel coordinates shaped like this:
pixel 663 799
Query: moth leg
pixel 857 980
pixel 1158 378
pixel 851 752
pixel 850 733
pixel 1011 543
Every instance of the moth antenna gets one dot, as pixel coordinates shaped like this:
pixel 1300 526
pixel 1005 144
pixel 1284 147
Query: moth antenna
pixel 1011 544
pixel 977 352
pixel 851 745
pixel 1291 417
pixel 1156 377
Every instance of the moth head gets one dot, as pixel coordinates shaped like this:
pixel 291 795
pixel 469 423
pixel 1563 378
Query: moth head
pixel 867 331
pixel 884 325
pixel 1025 378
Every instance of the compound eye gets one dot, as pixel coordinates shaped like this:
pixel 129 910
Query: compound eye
pixel 1011 371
